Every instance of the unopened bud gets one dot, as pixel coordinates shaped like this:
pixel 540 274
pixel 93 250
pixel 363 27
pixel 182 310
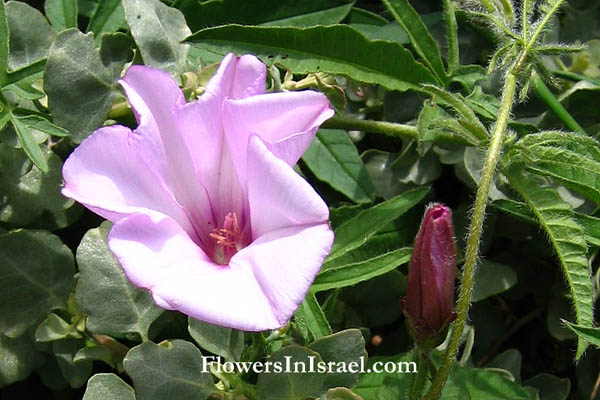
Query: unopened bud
pixel 429 300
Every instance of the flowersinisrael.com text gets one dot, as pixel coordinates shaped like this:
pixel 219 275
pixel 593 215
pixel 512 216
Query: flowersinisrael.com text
pixel 308 365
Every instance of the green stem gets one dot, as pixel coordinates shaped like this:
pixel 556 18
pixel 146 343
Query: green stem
pixel 452 35
pixel 418 380
pixel 381 127
pixel 474 237
pixel 551 101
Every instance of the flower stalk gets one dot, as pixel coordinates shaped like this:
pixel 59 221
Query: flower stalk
pixel 474 236
pixel 380 127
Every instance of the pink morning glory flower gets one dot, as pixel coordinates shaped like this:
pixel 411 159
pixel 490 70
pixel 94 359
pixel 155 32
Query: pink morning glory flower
pixel 209 215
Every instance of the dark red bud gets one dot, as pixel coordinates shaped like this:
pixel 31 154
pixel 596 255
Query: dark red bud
pixel 429 298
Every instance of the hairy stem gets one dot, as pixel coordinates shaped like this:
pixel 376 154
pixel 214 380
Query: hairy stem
pixel 418 380
pixel 474 237
pixel 381 127
pixel 452 36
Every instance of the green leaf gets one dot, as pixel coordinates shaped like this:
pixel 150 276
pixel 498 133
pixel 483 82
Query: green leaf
pixel 291 385
pixel 565 162
pixel 79 86
pixel 510 361
pixel 342 348
pixel 482 384
pixel 98 353
pixel 158 31
pixel 75 372
pixel 27 193
pixel 30 34
pixel 351 274
pixel 43 125
pixel 333 158
pixel 29 144
pixel 590 225
pixel 467 117
pixel 108 386
pixel 18 359
pixel 359 229
pixel 376 301
pixel 225 342
pixel 588 333
pixel 108 16
pixel 310 318
pixel 394 173
pixel 61 13
pixel 568 240
pixel 55 328
pixel 264 12
pixel 492 278
pixel 36 273
pixel 341 393
pixel 172 369
pixel 335 49
pixel 113 305
pixel 374 385
pixel 419 36
pixel 3 45
pixel 550 387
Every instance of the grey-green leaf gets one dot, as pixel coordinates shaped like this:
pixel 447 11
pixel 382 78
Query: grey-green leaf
pixel 492 278
pixel 335 49
pixel 359 229
pixel 55 328
pixel 158 31
pixel 289 385
pixel 36 275
pixel 550 387
pixel 30 34
pixel 18 359
pixel 75 372
pixel 345 348
pixel 28 193
pixel 568 240
pixel 224 342
pixel 333 158
pixel 61 13
pixel 113 305
pixel 108 386
pixel 170 370
pixel 79 86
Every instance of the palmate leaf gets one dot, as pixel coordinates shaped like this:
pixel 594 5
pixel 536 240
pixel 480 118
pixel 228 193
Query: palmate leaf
pixel 568 240
pixel 335 49
pixel 572 160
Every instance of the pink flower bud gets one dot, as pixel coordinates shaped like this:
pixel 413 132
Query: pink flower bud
pixel 429 300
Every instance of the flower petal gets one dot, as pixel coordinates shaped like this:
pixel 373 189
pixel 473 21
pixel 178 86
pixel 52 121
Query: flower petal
pixel 155 96
pixel 156 254
pixel 287 122
pixel 285 263
pixel 106 174
pixel 278 197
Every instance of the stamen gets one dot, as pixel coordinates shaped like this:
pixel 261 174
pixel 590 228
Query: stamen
pixel 229 237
